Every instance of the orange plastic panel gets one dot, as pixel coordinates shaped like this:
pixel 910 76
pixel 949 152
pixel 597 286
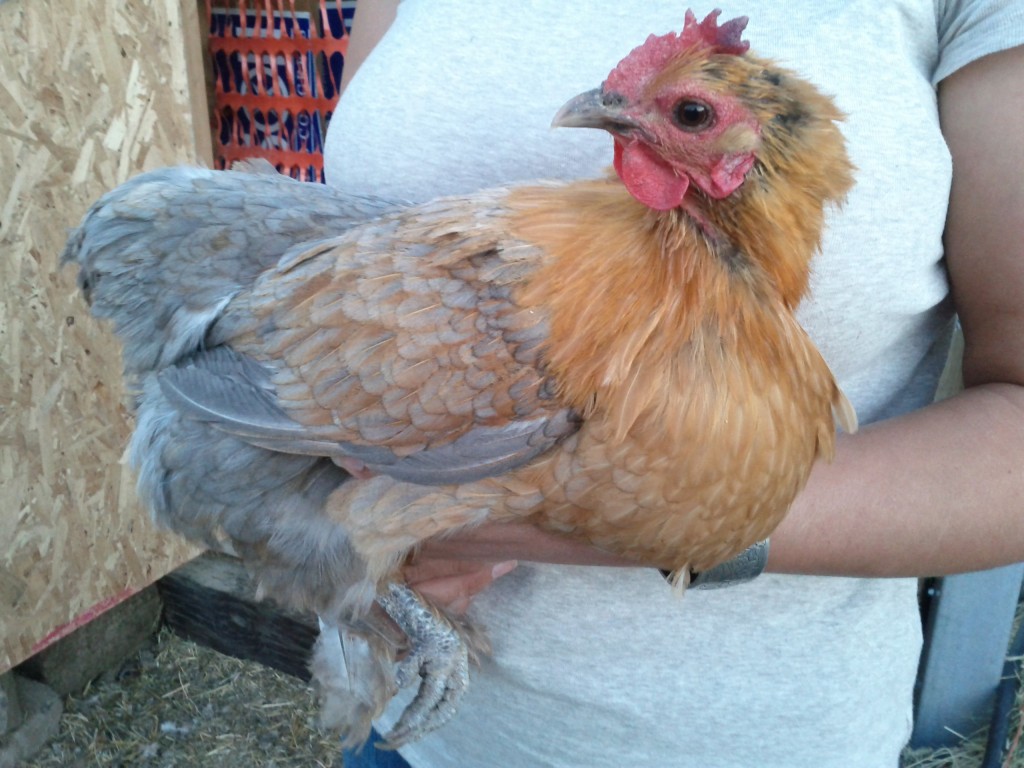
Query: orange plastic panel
pixel 276 76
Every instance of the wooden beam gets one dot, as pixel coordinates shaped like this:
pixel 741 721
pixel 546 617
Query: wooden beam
pixel 211 600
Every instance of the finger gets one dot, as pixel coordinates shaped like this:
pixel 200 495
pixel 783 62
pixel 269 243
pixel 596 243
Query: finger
pixel 456 592
pixel 427 568
pixel 451 593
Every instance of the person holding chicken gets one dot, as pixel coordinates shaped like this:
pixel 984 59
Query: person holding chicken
pixel 386 393
pixel 813 663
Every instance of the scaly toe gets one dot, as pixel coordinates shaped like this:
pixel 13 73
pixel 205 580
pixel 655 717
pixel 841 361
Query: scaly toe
pixel 438 657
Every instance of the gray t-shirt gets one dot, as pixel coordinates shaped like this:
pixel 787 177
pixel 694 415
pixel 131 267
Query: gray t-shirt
pixel 605 667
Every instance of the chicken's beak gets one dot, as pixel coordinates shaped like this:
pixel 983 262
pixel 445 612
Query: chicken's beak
pixel 596 109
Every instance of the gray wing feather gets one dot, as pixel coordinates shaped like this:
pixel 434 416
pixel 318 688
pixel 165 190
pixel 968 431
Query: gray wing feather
pixel 233 393
pixel 481 452
pixel 223 387
pixel 164 254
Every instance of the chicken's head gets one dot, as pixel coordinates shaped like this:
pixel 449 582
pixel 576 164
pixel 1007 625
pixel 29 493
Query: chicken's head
pixel 677 112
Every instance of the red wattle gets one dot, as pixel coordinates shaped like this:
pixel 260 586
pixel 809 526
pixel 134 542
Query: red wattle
pixel 647 177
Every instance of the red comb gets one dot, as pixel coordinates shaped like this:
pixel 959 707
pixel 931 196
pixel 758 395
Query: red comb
pixel 657 51
pixel 723 39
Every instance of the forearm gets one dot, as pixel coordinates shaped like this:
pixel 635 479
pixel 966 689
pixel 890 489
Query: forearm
pixel 937 491
pixel 496 542
pixel 942 490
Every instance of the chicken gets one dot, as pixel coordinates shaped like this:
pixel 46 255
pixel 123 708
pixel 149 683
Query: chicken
pixel 323 382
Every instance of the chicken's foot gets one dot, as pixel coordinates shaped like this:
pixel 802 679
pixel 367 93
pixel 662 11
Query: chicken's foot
pixel 437 655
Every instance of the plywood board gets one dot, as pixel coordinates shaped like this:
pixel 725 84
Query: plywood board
pixel 91 93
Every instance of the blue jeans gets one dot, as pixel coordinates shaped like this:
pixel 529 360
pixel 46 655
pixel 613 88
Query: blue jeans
pixel 371 757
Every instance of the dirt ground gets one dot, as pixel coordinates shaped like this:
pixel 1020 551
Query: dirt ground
pixel 179 705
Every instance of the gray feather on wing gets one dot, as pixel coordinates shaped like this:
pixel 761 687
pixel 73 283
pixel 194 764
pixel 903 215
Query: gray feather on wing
pixel 234 393
pixel 227 389
pixel 481 452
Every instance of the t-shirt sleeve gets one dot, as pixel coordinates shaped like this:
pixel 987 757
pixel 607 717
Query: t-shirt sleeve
pixel 970 29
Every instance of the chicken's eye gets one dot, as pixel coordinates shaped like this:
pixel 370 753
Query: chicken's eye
pixel 693 115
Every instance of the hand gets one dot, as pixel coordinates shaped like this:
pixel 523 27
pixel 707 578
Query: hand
pixel 451 571
pixel 453 583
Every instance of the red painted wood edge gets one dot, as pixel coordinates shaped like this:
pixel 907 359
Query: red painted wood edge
pixel 82 619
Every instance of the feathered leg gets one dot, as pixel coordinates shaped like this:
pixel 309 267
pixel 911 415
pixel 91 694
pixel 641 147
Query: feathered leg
pixel 360 665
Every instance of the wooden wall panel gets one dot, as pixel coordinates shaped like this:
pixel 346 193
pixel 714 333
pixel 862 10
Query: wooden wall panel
pixel 91 93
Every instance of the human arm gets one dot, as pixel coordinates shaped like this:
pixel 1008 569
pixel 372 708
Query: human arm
pixel 939 491
pixel 936 491
pixel 369 24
